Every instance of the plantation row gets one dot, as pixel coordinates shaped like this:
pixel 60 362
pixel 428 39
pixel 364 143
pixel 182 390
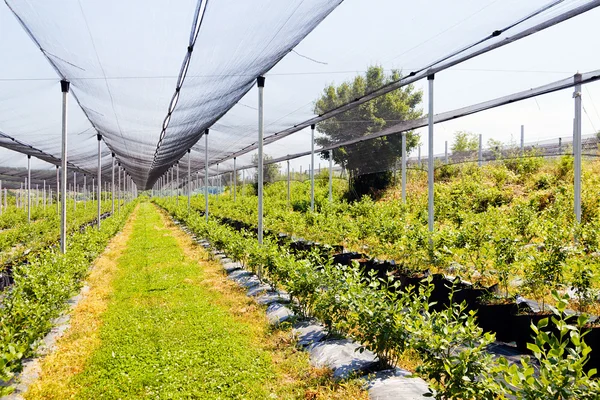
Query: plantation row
pixel 395 323
pixel 19 237
pixel 510 223
pixel 44 282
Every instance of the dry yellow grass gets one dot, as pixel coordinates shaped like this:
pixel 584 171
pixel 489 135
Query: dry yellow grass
pixel 75 347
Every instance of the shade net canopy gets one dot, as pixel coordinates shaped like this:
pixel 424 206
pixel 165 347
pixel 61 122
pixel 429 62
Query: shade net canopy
pixel 151 76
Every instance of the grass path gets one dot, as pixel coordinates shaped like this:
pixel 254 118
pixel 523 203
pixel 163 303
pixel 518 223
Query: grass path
pixel 162 322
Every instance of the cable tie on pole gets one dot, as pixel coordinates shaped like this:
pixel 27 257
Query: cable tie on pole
pixel 190 48
pixel 497 33
pixel 99 136
pixel 260 80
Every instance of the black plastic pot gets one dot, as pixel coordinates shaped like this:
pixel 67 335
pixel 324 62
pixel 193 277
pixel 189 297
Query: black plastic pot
pixel 497 318
pixel 592 338
pixel 346 258
pixel 521 328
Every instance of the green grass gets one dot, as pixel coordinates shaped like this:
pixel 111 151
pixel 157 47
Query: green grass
pixel 165 335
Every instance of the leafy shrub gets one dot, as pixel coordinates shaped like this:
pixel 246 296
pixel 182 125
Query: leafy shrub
pixel 454 353
pixel 561 357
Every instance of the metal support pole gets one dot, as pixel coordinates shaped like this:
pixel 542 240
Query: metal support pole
pixel 446 152
pixel 44 194
pixel 84 191
pixel 419 157
pixel 480 156
pixel 312 167
pixel 522 140
pixel 57 190
pixel 288 183
pixel 177 187
pixel 577 148
pixel 119 189
pixel 218 182
pixel 112 189
pixel 330 176
pixel 403 173
pixel 1 207
pixel 559 145
pixel 99 178
pixel 206 174
pixel 74 191
pixel 261 126
pixel 234 179
pixel 64 85
pixel 430 157
pixel 189 187
pixel 28 188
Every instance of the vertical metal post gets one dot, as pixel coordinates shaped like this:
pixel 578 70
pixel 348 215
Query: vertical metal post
pixel 57 190
pixel 288 183
pixel 64 86
pixel 446 152
pixel 261 86
pixel 312 167
pixel 119 189
pixel 112 189
pixel 44 194
pixel 243 181
pixel 403 173
pixel 522 140
pixel 480 156
pixel 99 177
pixel 206 174
pixel 84 191
pixel 189 187
pixel 577 148
pixel 419 157
pixel 430 156
pixel 330 176
pixel 177 186
pixel 234 179
pixel 172 181
pixel 218 182
pixel 28 188
pixel 74 191
pixel 1 203
pixel 559 145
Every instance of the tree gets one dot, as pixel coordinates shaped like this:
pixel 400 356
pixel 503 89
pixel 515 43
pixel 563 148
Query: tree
pixel 465 141
pixel 370 162
pixel 270 171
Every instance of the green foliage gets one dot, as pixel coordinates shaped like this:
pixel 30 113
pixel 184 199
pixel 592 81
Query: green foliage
pixel 524 165
pixel 454 353
pixel 43 285
pixel 373 116
pixel 388 321
pixel 270 171
pixel 464 141
pixel 561 356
